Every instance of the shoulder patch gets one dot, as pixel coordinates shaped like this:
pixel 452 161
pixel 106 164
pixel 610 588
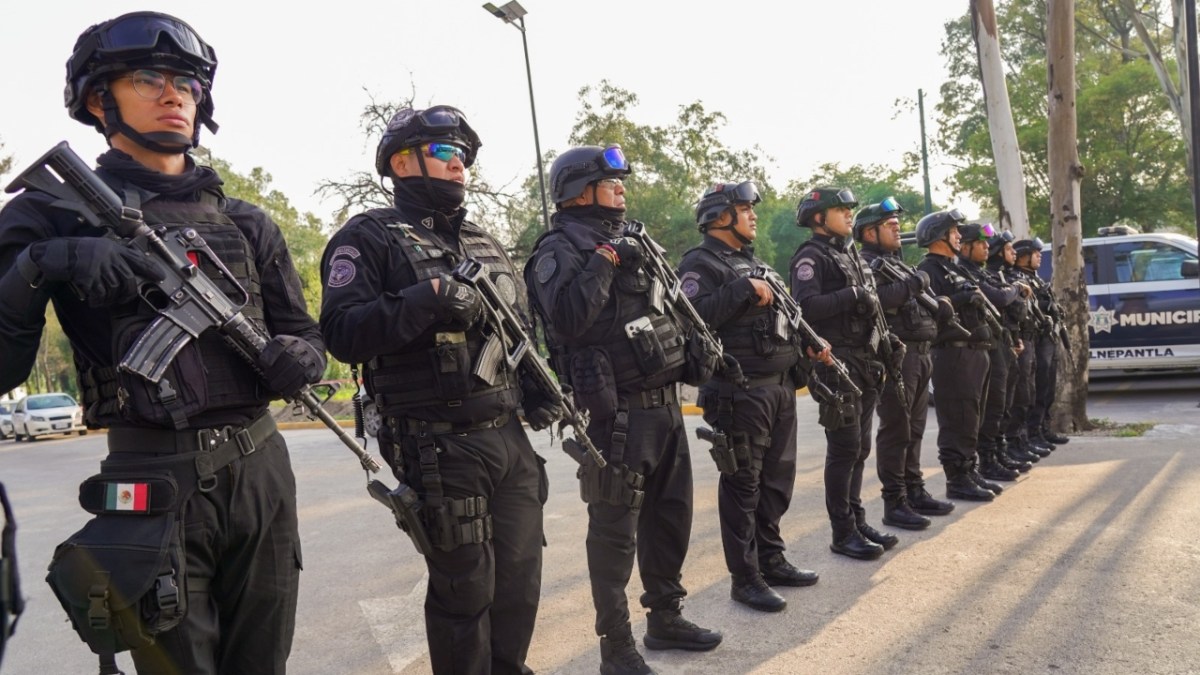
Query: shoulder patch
pixel 345 251
pixel 690 284
pixel 546 267
pixel 341 272
pixel 805 271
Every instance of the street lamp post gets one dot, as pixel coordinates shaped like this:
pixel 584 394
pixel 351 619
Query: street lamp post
pixel 513 12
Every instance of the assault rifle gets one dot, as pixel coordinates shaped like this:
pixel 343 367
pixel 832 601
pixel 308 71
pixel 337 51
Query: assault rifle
pixel 894 370
pixel 667 287
pixel 894 272
pixel 188 302
pixel 508 342
pixel 786 305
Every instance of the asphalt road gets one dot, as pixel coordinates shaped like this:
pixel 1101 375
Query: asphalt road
pixel 1086 565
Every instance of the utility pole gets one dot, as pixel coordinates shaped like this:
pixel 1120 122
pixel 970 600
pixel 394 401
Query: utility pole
pixel 924 152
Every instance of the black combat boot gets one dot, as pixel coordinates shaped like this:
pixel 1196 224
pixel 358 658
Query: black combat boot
pixel 855 545
pixel 925 504
pixel 973 473
pixel 1006 460
pixel 1019 450
pixel 991 469
pixel 960 486
pixel 887 541
pixel 898 513
pixel 756 594
pixel 777 571
pixel 1056 439
pixel 667 629
pixel 619 654
pixel 1038 446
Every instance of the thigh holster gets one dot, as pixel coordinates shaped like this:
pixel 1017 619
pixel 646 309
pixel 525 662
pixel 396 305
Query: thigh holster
pixel 616 483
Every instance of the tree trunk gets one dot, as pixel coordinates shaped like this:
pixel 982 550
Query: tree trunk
pixel 1005 150
pixel 1066 228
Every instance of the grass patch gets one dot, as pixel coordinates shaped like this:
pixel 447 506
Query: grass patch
pixel 1106 427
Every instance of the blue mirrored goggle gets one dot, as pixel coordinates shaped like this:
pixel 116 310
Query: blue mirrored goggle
pixel 143 32
pixel 443 151
pixel 890 206
pixel 613 158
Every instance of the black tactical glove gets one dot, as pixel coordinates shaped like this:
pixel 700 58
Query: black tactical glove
pixel 945 310
pixel 540 411
pixel 459 302
pixel 104 271
pixel 629 252
pixel 977 299
pixel 899 351
pixel 288 363
pixel 917 281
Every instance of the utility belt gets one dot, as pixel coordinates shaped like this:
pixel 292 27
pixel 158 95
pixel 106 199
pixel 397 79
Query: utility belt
pixel 406 426
pixel 653 398
pixel 123 578
pixel 761 381
pixel 985 344
pixel 917 347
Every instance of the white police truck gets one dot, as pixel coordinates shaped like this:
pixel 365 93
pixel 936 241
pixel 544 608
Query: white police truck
pixel 1144 297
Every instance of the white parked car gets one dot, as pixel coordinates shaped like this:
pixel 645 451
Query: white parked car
pixel 43 414
pixel 6 427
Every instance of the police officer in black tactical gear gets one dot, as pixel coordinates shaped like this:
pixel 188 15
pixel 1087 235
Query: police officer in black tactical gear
pixel 1023 376
pixel 1000 256
pixel 836 292
pixel 624 354
pixel 450 422
pixel 144 80
pixel 1029 259
pixel 758 417
pixel 902 424
pixel 960 367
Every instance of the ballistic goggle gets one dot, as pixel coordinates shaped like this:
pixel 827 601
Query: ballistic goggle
pixel 613 158
pixel 142 31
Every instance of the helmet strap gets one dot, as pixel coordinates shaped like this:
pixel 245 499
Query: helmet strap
pixel 164 142
pixel 732 211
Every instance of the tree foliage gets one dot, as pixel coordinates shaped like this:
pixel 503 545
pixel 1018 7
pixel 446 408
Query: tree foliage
pixel 1134 158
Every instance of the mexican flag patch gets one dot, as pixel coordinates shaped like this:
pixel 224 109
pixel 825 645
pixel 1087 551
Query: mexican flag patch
pixel 127 497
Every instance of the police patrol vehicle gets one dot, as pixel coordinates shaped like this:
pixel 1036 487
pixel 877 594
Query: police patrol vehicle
pixel 1144 298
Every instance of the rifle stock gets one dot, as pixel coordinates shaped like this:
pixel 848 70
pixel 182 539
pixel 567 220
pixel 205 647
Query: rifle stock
pixel 187 300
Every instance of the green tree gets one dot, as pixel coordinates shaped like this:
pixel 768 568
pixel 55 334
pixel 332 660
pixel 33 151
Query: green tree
pixel 1134 158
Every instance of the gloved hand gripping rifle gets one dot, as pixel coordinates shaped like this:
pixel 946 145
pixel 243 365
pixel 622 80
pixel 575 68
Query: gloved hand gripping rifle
pixel 188 302
pixel 667 287
pixel 509 342
pixel 893 272
pixel 786 305
pixel 883 332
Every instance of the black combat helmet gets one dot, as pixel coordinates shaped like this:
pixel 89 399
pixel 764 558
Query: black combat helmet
pixel 818 199
pixel 935 226
pixel 722 197
pixel 579 167
pixel 134 41
pixel 872 214
pixel 997 242
pixel 1027 246
pixel 409 128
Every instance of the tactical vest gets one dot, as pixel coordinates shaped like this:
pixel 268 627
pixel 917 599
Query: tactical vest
pixel 970 316
pixel 207 373
pixel 1011 315
pixel 760 338
pixel 910 321
pixel 440 370
pixel 851 328
pixel 629 301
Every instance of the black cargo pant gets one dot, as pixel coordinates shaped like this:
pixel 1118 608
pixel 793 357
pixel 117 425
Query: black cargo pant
pixel 656 446
pixel 1023 374
pixel 902 427
pixel 482 599
pixel 752 501
pixel 1046 382
pixel 998 400
pixel 959 378
pixel 847 449
pixel 243 556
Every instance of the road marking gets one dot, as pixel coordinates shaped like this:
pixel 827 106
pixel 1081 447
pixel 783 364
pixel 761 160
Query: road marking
pixel 398 625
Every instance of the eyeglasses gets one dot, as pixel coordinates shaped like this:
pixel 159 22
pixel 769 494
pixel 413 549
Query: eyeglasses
pixel 441 151
pixel 613 158
pixel 611 182
pixel 150 85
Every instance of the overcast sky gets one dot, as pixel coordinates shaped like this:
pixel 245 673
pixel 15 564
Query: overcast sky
pixel 810 82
